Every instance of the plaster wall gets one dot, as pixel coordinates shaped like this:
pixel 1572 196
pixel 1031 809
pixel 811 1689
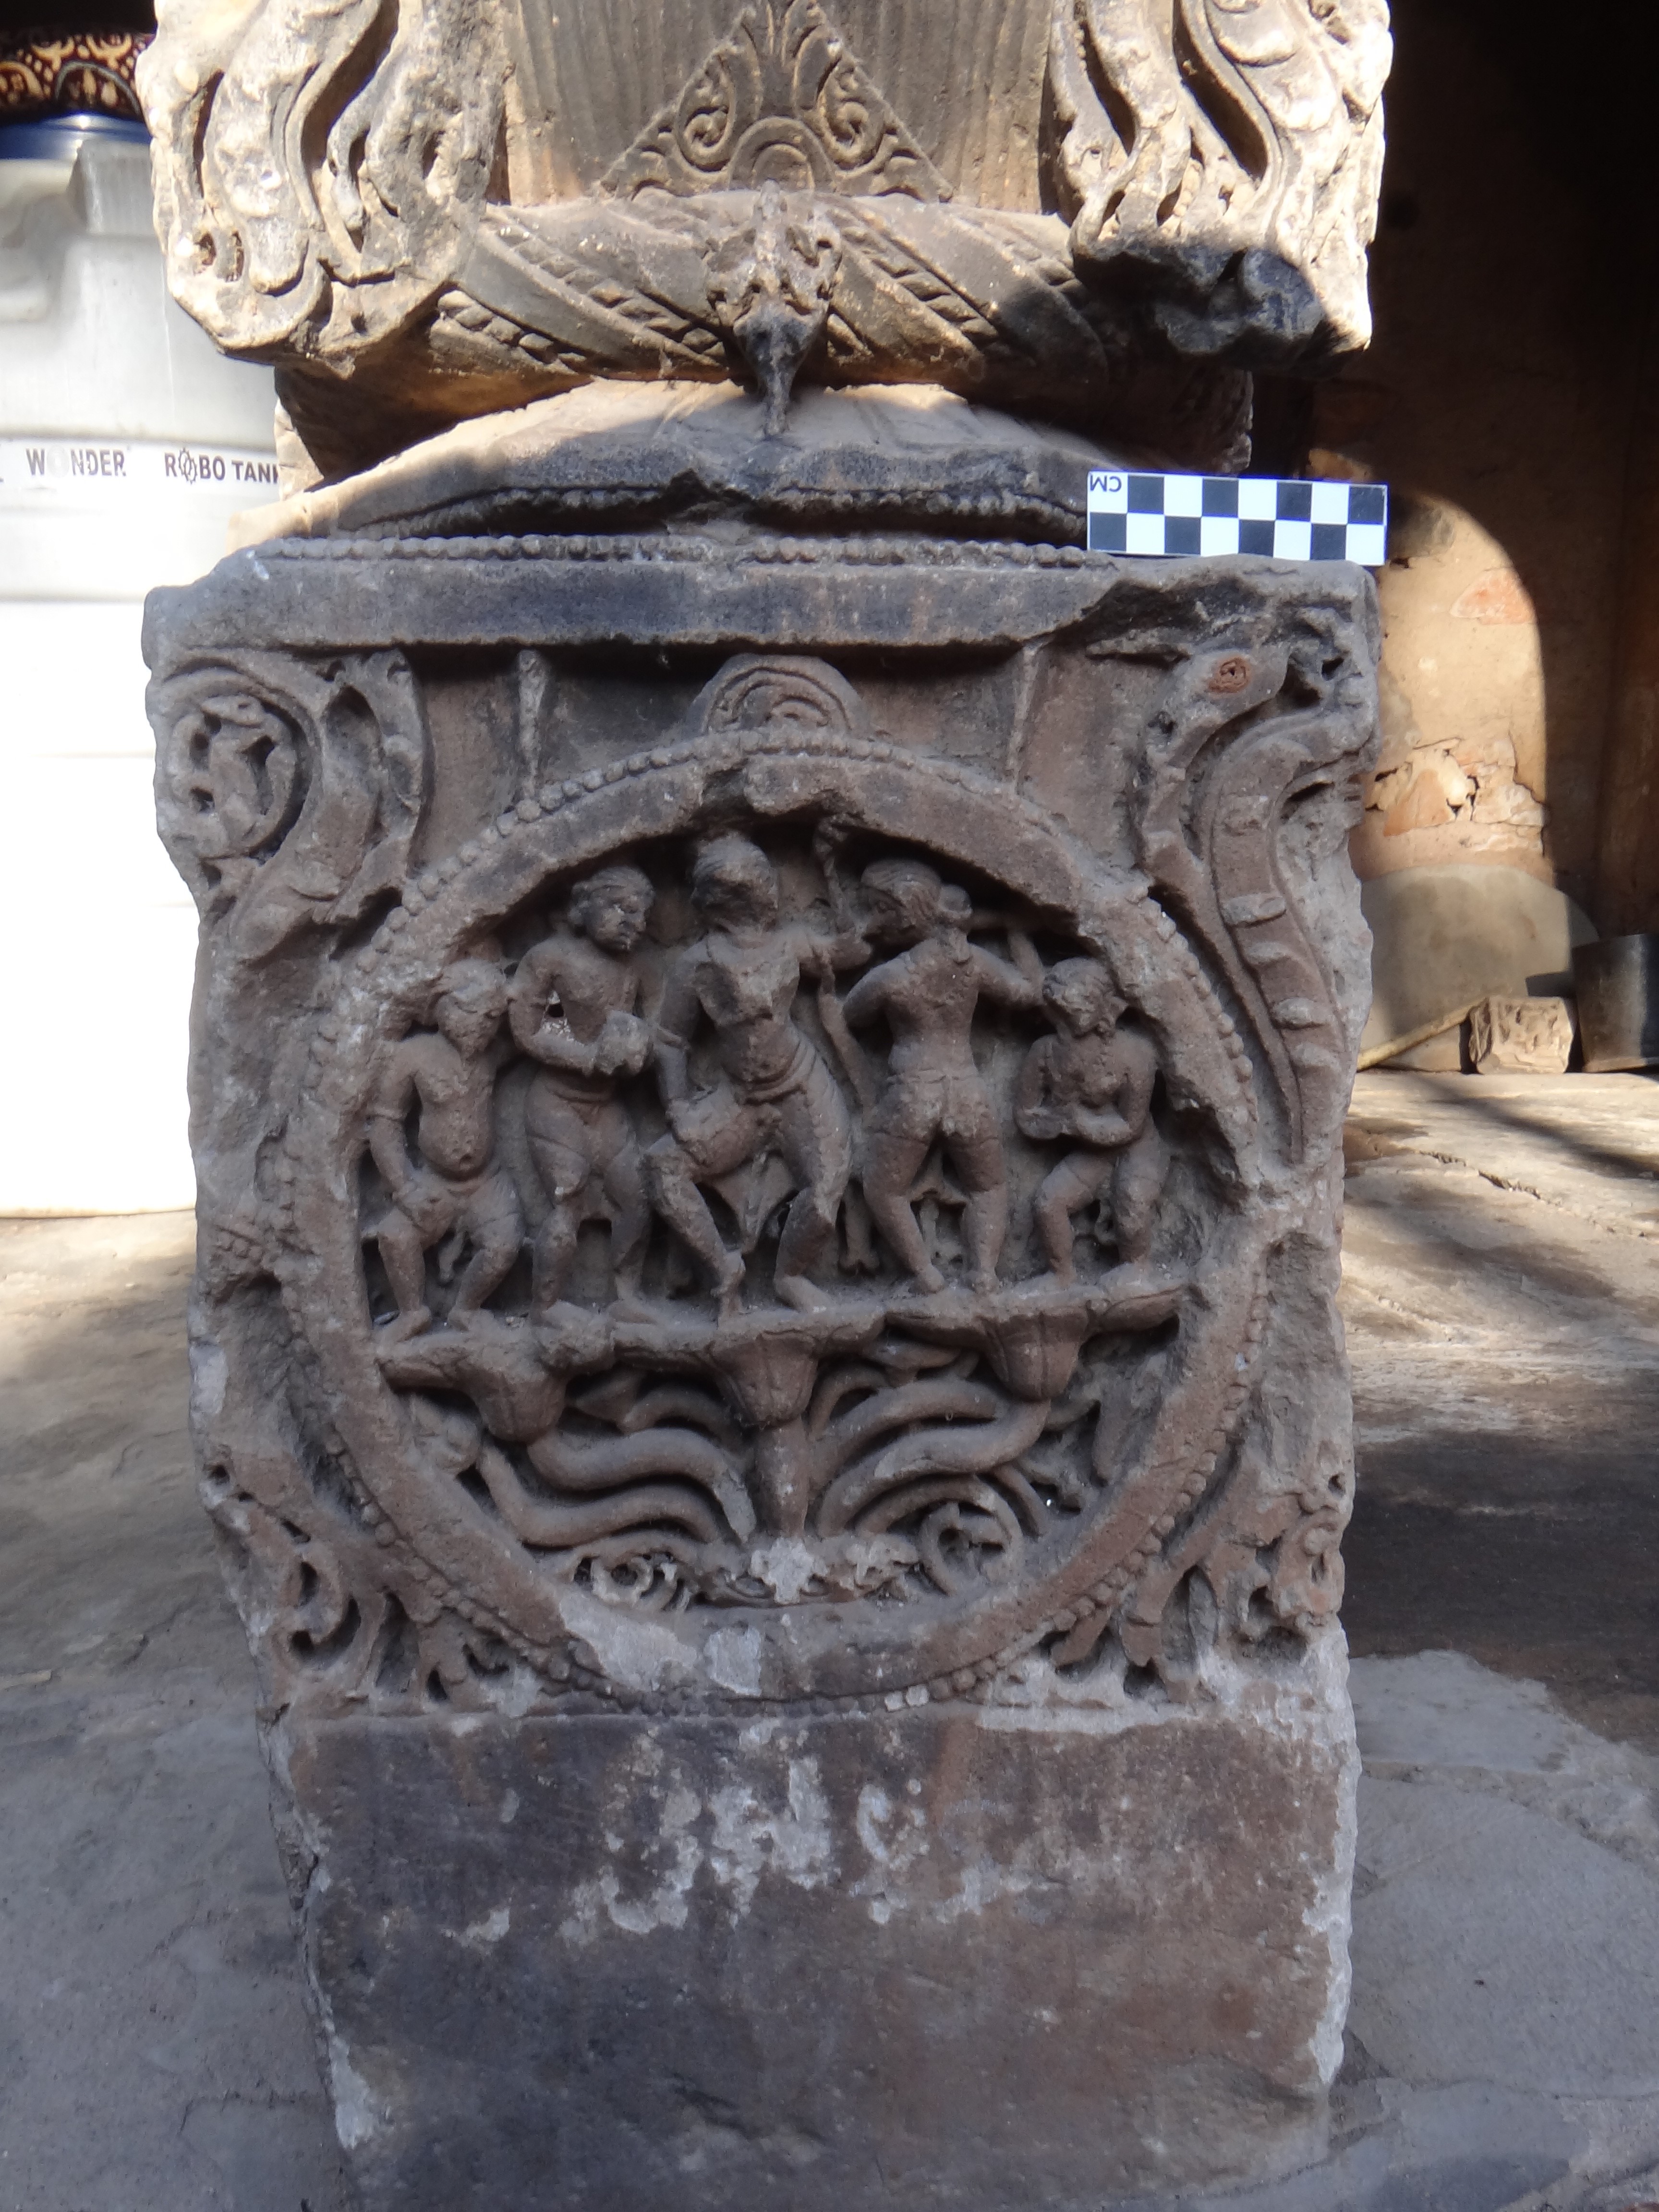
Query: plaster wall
pixel 1499 401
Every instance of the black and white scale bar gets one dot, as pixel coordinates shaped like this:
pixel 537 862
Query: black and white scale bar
pixel 1169 515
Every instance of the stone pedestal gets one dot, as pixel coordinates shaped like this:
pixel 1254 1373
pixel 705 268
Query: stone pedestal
pixel 770 1043
pixel 765 1356
pixel 961 1956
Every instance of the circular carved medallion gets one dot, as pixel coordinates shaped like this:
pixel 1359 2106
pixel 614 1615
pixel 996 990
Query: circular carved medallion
pixel 777 1211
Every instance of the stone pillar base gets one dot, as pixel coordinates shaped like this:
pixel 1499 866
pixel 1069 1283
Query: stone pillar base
pixel 1043 1953
pixel 765 1354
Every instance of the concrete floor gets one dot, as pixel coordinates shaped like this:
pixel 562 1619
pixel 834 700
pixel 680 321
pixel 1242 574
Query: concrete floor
pixel 1503 1301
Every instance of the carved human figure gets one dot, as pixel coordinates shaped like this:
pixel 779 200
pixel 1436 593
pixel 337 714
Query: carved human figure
pixel 927 994
pixel 573 1007
pixel 448 1188
pixel 777 1096
pixel 1092 1082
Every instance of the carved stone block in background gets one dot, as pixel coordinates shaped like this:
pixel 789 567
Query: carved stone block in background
pixel 1521 1036
pixel 1443 937
pixel 766 1115
pixel 1117 211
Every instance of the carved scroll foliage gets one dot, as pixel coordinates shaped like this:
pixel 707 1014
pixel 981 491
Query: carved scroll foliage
pixel 1229 173
pixel 339 1615
pixel 319 166
pixel 782 100
pixel 1244 732
pixel 337 1618
pixel 287 794
pixel 235 782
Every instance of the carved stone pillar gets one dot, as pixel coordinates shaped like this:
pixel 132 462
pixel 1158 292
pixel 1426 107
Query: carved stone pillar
pixel 770 1047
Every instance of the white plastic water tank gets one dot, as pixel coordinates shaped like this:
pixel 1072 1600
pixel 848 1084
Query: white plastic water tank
pixel 126 442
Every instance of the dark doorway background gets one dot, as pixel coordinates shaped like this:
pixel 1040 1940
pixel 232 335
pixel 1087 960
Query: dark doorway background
pixel 58 18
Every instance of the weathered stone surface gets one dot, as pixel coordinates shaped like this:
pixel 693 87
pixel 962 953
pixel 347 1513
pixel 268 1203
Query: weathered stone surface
pixel 1521 1036
pixel 762 822
pixel 608 456
pixel 755 1179
pixel 729 1961
pixel 770 1044
pixel 492 204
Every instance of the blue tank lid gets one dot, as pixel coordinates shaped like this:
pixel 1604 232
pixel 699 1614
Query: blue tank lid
pixel 60 138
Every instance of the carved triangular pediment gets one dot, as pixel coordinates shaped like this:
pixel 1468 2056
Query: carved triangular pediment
pixel 783 99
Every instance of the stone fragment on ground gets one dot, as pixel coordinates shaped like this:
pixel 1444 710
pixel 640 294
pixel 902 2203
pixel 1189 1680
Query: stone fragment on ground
pixel 1521 1036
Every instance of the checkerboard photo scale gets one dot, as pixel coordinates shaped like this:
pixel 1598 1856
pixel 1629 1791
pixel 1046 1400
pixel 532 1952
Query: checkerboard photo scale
pixel 1167 516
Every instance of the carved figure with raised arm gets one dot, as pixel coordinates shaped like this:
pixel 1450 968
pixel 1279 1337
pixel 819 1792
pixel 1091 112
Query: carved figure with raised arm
pixel 776 1094
pixel 447 1189
pixel 574 1007
pixel 927 994
pixel 1092 1082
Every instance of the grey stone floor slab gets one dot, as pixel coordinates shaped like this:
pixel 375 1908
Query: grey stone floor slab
pixel 155 2054
pixel 1501 1290
pixel 1502 1304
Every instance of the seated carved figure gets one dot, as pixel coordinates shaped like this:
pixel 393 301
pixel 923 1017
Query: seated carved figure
pixel 449 1187
pixel 934 1092
pixel 1092 1082
pixel 573 1007
pixel 776 1097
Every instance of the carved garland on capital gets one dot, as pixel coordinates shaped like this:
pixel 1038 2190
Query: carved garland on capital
pixel 772 1215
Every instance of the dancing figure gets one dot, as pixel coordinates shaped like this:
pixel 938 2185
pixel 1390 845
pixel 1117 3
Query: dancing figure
pixel 448 1188
pixel 1092 1082
pixel 934 1092
pixel 574 1007
pixel 776 1097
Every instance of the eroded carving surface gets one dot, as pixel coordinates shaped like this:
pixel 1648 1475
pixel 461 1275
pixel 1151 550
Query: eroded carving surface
pixel 1227 155
pixel 286 793
pixel 777 1215
pixel 766 1074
